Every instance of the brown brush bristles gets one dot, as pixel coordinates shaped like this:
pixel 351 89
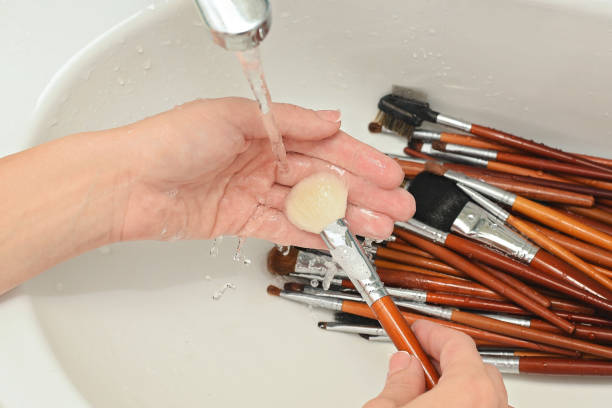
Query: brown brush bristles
pixel 434 167
pixel 273 290
pixel 280 264
pixel 294 286
pixel 374 127
pixel 398 126
pixel 322 325
pixel 438 145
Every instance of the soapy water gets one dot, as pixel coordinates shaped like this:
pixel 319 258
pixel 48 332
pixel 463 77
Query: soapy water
pixel 214 248
pixel 252 68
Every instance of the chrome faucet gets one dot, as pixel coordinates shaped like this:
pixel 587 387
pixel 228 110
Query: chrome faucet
pixel 236 25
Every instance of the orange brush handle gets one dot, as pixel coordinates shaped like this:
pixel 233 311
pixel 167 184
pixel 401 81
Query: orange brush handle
pixel 400 333
pixel 521 171
pixel 556 249
pixel 562 222
pixel 474 142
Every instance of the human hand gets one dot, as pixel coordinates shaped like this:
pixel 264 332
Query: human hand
pixel 465 382
pixel 206 169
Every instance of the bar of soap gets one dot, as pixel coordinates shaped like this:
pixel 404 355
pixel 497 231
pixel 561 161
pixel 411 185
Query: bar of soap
pixel 317 201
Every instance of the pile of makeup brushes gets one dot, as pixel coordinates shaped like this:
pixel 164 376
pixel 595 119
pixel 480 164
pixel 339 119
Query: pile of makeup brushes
pixel 511 243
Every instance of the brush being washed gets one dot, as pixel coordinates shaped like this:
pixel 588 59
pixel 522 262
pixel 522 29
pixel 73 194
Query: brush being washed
pixel 317 204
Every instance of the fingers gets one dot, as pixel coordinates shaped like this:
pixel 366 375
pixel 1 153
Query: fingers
pixel 360 159
pixel 498 383
pixel 454 350
pixel 405 382
pixel 363 221
pixel 397 202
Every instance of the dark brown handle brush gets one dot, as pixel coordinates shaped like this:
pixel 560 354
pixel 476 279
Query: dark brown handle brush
pixel 406 111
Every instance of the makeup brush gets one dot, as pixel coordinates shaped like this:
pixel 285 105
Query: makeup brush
pixel 443 205
pixel 415 110
pixel 361 309
pixel 421 296
pixel 525 161
pixel 462 154
pixel 542 257
pixel 392 116
pixel 317 204
pixel 411 167
pixel 509 329
pixel 463 140
pixel 407 231
pixel 547 365
pixel 543 214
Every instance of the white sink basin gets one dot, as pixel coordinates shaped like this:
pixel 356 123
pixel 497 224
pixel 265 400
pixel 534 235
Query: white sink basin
pixel 135 325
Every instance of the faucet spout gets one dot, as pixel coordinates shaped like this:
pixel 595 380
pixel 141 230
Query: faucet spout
pixel 236 25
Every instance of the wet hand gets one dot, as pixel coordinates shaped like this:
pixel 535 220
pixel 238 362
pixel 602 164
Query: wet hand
pixel 206 169
pixel 465 382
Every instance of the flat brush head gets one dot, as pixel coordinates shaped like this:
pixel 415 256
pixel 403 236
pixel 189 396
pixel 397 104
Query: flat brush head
pixel 347 318
pixel 273 290
pixel 280 264
pixel 438 200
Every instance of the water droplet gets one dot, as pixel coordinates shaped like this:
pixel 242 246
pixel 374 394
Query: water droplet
pixel 285 14
pixel 121 81
pixel 207 277
pixel 214 248
pixel 415 55
pixel 526 108
pixel 219 294
pixel 105 250
pixel 198 23
pixel 54 122
pixel 432 31
pixel 147 65
pixel 139 49
pixel 116 68
pixel 238 255
pixel 166 42
pixel 59 287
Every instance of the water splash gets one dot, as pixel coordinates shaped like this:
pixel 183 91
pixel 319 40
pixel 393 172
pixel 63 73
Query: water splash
pixel 331 269
pixel 238 255
pixel 219 294
pixel 105 250
pixel 284 250
pixel 214 248
pixel 252 68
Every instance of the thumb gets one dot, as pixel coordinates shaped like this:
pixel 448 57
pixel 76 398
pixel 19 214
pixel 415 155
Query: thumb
pixel 405 382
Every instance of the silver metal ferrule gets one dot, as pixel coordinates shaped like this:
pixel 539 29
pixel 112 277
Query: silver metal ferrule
pixel 315 301
pixel 236 25
pixel 310 277
pixel 454 123
pixel 519 321
pixel 381 339
pixel 485 203
pixel 423 230
pixel 496 193
pixel 430 310
pixel 428 148
pixel 332 294
pixel 355 328
pixel 488 154
pixel 408 294
pixel 428 135
pixel 314 264
pixel 496 353
pixel 508 365
pixel 476 223
pixel 347 253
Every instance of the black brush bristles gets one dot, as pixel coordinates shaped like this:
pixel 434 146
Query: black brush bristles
pixel 347 318
pixel 438 200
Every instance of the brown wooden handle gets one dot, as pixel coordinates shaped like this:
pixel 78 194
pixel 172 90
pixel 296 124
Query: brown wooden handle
pixel 519 171
pixel 487 279
pixel 361 309
pixel 418 281
pixel 533 147
pixel 550 165
pixel 551 265
pixel 517 284
pixel 576 267
pixel 595 213
pixel 586 251
pixel 402 336
pixel 399 245
pixel 383 263
pixel 474 142
pixel 414 260
pixel 526 333
pixel 590 333
pixel 562 222
pixel 466 302
pixel 543 365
